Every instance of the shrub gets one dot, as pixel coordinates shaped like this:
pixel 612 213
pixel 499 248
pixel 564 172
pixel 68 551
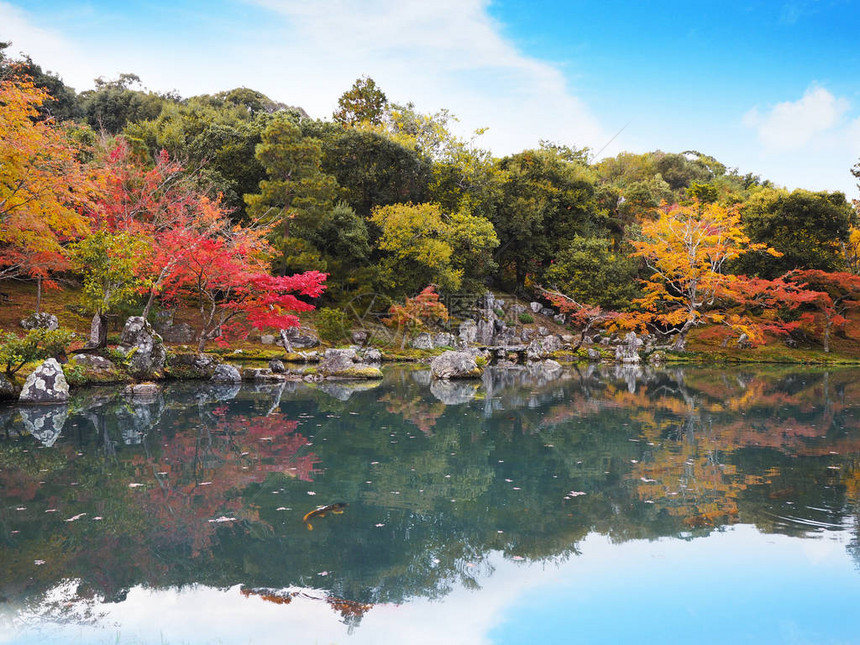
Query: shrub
pixel 38 344
pixel 526 318
pixel 331 324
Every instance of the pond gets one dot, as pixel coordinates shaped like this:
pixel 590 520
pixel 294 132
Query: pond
pixel 608 505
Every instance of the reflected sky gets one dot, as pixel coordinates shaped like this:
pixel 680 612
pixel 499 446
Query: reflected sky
pixel 781 590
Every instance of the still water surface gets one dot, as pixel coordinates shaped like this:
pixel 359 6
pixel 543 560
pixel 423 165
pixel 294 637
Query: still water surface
pixel 606 506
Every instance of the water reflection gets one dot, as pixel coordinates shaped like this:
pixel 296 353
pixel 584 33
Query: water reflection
pixel 445 483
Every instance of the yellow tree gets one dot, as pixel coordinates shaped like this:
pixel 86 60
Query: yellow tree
pixel 687 248
pixel 44 189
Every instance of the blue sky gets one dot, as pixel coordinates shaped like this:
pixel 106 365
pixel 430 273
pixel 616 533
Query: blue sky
pixel 767 87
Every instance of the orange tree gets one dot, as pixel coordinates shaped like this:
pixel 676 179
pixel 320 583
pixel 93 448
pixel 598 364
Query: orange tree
pixel 687 249
pixel 44 189
pixel 836 295
pixel 416 312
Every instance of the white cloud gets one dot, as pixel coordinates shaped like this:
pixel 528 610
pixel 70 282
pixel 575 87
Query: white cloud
pixel 46 47
pixel 448 53
pixel 442 54
pixel 795 124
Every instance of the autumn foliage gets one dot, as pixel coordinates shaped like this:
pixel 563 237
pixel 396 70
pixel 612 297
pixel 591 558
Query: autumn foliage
pixel 44 189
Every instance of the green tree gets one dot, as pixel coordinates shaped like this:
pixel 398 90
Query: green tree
pixel 364 102
pixel 296 195
pixel 422 245
pixel 374 170
pixel 807 228
pixel 113 104
pixel 546 201
pixel 109 263
pixel 590 272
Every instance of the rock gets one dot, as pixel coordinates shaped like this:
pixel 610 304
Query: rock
pixel 277 366
pixel 507 336
pixel 454 392
pixel 94 362
pixel 141 391
pixel 301 338
pixel 310 357
pixel 47 384
pixel 98 331
pixel 267 339
pixel 443 339
pixel 371 355
pixel 144 346
pixel 657 357
pixel 45 423
pixel 535 307
pixel 260 374
pixel 181 333
pixel 468 332
pixel 546 311
pixel 225 373
pixel 453 364
pixel 8 391
pixel 543 331
pixel 192 366
pixel 527 334
pixel 594 356
pixel 559 319
pixel 40 320
pixel 516 309
pixel 97 369
pixel 422 341
pixel 629 351
pixel 486 329
pixel 540 348
pixel 360 337
pixel 488 301
pixel 336 360
pixel 341 363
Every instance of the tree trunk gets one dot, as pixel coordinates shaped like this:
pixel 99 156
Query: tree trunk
pixel 148 306
pixel 827 337
pixel 681 340
pixel 38 294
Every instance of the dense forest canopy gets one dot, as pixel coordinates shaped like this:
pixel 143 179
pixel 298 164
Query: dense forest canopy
pixel 385 199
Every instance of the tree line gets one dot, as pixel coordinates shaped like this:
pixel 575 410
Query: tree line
pixel 249 206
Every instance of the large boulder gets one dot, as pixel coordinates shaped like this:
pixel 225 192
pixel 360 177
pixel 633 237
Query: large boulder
pixel 344 363
pixel 96 369
pixel 144 347
pixel 468 333
pixel 443 339
pixel 422 341
pixel 452 364
pixel 179 333
pixel 225 373
pixel 486 330
pixel 47 384
pixel 192 366
pixel 540 348
pixel 298 338
pixel 41 320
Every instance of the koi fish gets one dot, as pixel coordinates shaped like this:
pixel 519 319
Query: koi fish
pixel 320 511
